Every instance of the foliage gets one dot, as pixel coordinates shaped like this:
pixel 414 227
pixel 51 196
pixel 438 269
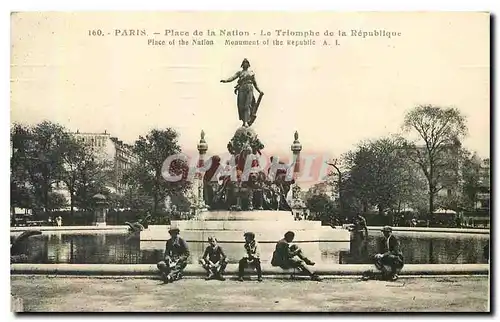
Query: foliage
pixel 181 202
pixel 322 208
pixel 317 203
pixel 36 160
pixel 56 201
pixel 152 151
pixel 379 175
pixel 471 185
pixel 440 130
pixel 471 179
pixel 135 199
pixel 84 174
pixel 20 193
pixel 44 157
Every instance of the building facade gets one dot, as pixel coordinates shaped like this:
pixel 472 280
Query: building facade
pixel 483 195
pixel 327 186
pixel 108 148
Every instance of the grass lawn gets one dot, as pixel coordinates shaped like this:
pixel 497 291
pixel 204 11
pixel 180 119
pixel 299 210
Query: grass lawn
pixel 70 294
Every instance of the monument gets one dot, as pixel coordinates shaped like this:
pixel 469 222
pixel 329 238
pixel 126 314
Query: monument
pixel 244 195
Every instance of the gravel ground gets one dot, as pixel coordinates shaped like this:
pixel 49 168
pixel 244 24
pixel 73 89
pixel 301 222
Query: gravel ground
pixel 71 294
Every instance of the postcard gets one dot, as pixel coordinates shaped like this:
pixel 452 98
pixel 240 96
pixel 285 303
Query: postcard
pixel 250 162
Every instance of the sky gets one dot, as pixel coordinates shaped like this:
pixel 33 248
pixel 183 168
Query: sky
pixel 334 96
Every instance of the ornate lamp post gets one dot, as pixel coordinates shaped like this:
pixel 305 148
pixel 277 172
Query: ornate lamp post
pixel 202 150
pixel 296 147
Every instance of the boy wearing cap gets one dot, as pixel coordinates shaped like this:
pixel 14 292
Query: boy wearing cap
pixel 391 260
pixel 176 257
pixel 252 259
pixel 214 260
pixel 290 256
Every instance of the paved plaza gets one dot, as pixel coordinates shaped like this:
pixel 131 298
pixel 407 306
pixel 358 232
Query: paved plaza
pixel 415 294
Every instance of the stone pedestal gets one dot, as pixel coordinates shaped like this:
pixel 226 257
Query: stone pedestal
pixel 269 227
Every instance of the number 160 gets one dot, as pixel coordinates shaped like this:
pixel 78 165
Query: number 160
pixel 97 32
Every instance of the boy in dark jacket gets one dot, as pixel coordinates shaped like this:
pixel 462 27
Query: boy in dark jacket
pixel 390 261
pixel 290 256
pixel 214 260
pixel 176 257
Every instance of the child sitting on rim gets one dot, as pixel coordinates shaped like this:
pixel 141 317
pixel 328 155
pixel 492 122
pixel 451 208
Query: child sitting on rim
pixel 252 258
pixel 214 260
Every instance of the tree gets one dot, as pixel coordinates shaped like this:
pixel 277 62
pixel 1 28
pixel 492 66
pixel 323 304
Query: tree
pixel 83 173
pixel 471 179
pixel 39 153
pixel 440 130
pixel 321 207
pixel 355 192
pixel 180 202
pixel 339 182
pixel 20 193
pixel 135 199
pixel 20 196
pixel 73 155
pixel 56 201
pixel 151 152
pixel 93 176
pixel 412 184
pixel 379 175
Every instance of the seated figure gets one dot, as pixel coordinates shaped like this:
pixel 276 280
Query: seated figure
pixel 390 260
pixel 214 260
pixel 252 258
pixel 289 256
pixel 176 257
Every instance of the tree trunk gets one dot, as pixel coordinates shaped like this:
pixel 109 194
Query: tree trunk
pixel 72 204
pixel 341 201
pixel 46 199
pixel 155 203
pixel 431 205
pixel 431 189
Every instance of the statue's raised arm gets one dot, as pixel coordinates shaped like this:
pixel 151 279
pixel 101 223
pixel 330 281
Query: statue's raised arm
pixel 232 78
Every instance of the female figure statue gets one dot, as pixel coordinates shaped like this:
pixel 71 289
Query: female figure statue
pixel 247 105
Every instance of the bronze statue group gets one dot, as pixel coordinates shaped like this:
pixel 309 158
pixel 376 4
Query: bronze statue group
pixel 286 255
pixel 246 190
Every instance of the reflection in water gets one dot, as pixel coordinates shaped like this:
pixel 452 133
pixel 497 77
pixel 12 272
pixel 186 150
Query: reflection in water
pixel 115 248
pixel 427 248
